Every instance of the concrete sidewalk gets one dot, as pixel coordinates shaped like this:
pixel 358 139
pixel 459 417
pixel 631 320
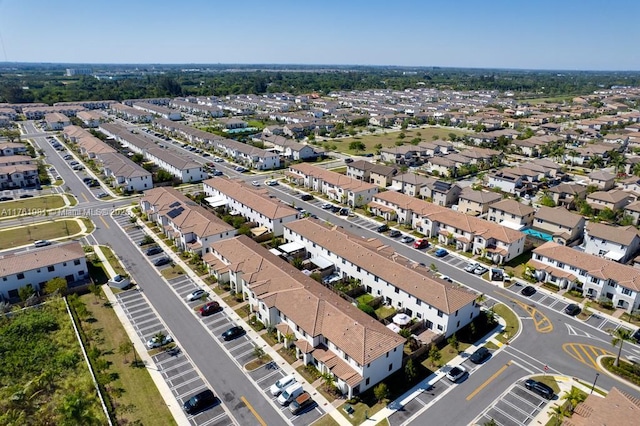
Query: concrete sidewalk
pixel 255 337
pixel 171 402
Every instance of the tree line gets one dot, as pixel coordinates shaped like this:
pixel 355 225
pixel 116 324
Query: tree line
pixel 50 86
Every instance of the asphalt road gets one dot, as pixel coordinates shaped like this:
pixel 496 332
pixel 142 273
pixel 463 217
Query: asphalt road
pixel 564 349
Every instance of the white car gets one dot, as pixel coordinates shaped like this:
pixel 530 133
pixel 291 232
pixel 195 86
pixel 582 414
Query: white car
pixel 282 383
pixel 154 342
pixel 255 183
pixel 326 206
pixel 196 294
pixel 456 373
pixel 41 243
pixel 271 183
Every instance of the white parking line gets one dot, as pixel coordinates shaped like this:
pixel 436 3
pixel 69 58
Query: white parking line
pixel 173 387
pixel 508 416
pixel 190 393
pixel 213 420
pixel 161 363
pixel 271 374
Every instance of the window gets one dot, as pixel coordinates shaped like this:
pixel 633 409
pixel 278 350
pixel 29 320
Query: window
pixel 458 324
pixel 418 302
pixel 75 262
pixel 20 276
pixel 51 268
pixel 390 366
pixel 368 380
pixel 440 313
pixel 346 357
pixel 439 327
pixel 387 354
pixel 626 291
pixel 594 280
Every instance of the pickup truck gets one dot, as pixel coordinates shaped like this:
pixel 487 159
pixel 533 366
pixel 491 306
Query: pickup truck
pixel 299 404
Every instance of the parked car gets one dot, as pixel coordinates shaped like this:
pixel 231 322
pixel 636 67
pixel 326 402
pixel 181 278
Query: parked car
pixel 196 294
pixel 471 267
pixel 102 195
pixel 326 206
pixel 218 173
pixel 282 383
pixel 255 183
pixel 441 252
pixel 636 336
pixel 480 355
pixel 6 198
pixel 271 183
pixel 539 388
pixel 26 196
pixel 572 309
pixel 74 163
pixel 420 243
pixel 348 160
pixel 233 333
pixel 306 197
pixel 456 373
pixel 218 160
pixel 335 209
pixel 290 393
pixel 209 308
pixel 382 228
pixel 344 212
pixel 446 278
pixel 528 291
pixel 394 233
pixel 164 260
pixel 41 243
pixel 68 157
pixel 78 167
pixel 154 342
pixel 153 250
pixel 199 402
pixel 407 239
pixel 301 403
pixel 480 270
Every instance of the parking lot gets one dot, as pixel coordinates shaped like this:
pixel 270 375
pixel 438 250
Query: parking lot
pixel 265 377
pixel 176 369
pixel 517 407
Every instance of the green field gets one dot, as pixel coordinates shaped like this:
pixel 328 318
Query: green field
pixel 26 206
pixel 15 237
pixel 390 137
pixel 132 391
pixel 43 376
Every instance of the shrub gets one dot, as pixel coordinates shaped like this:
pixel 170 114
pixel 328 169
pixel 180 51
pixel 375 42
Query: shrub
pixel 367 309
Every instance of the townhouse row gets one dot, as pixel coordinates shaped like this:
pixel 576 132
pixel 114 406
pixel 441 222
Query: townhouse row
pixel 122 172
pixel 181 168
pixel 33 268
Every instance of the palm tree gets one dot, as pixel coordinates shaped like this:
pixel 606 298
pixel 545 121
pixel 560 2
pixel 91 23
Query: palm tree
pixel 557 413
pixel 574 397
pixel 595 161
pixel 620 335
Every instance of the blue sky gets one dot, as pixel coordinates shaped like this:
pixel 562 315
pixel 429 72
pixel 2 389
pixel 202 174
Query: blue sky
pixel 539 34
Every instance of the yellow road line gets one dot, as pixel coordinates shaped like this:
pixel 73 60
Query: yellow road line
pixel 104 221
pixel 253 411
pixel 489 380
pixel 588 355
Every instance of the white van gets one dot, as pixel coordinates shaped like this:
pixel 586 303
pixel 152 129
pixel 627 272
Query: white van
pixel 290 393
pixel 282 384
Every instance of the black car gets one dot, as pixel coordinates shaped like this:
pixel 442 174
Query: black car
pixel 153 250
pixel 306 197
pixel 572 309
pixel 164 260
pixel 336 209
pixel 348 160
pixel 480 355
pixel 26 196
pixel 199 402
pixel 528 291
pixel 6 198
pixel 539 388
pixel 233 333
pixel 382 228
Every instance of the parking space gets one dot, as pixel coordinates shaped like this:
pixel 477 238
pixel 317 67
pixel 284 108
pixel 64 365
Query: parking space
pixel 517 407
pixel 266 376
pixel 176 369
pixel 416 404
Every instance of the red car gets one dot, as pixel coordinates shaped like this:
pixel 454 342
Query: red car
pixel 420 244
pixel 209 308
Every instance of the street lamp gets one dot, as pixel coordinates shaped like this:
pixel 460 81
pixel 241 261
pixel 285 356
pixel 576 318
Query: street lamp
pixel 594 382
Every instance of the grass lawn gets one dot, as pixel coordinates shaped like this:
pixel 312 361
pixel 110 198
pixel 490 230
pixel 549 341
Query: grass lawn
pixel 385 311
pixel 219 290
pixel 26 206
pixel 491 346
pixel 287 355
pixel 113 260
pixel 257 363
pixel 325 420
pixel 510 318
pixel 231 300
pixel 389 138
pixel 568 295
pixel 365 298
pixel 146 407
pixel 172 272
pixel 310 377
pixel 361 411
pixel 243 311
pixel 269 338
pixel 23 235
pixel 449 353
pixel 630 319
